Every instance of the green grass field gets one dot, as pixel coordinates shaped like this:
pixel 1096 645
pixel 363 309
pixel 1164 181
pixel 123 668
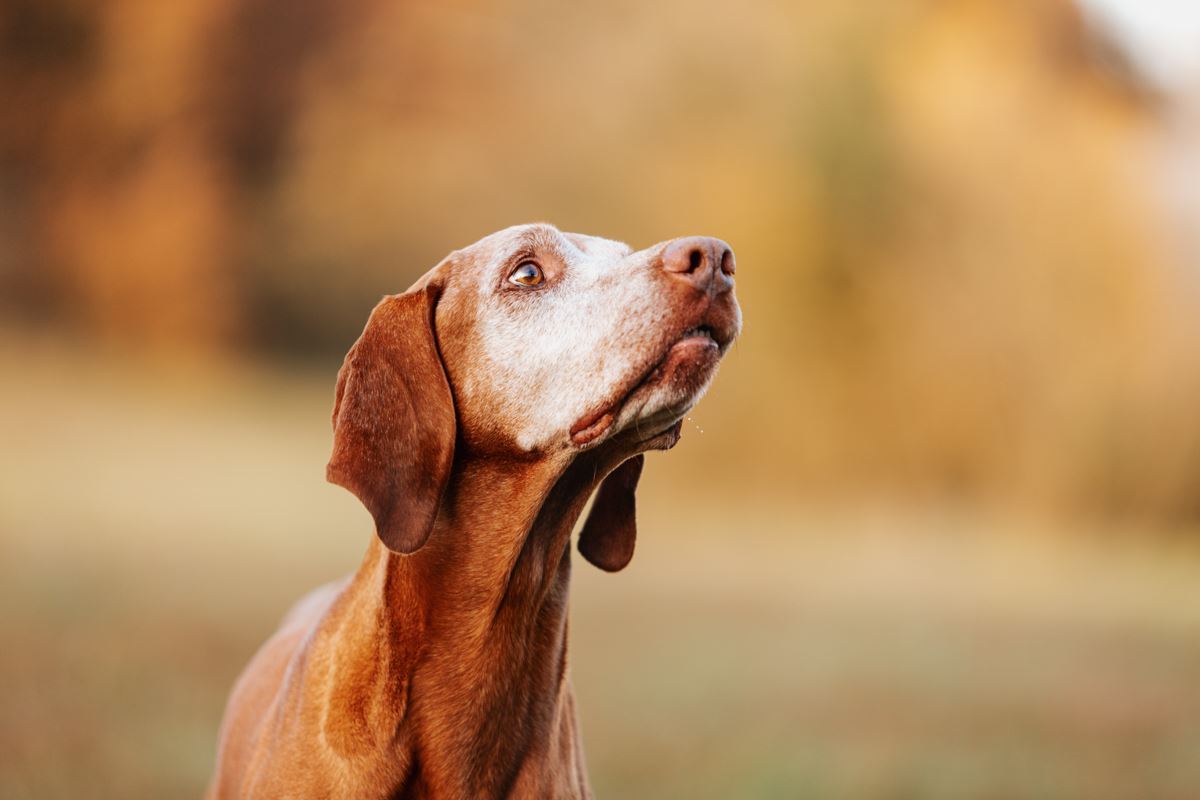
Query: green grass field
pixel 153 530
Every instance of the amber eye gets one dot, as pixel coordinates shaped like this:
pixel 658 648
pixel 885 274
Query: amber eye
pixel 527 273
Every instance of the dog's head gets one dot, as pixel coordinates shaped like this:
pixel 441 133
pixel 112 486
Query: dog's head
pixel 531 343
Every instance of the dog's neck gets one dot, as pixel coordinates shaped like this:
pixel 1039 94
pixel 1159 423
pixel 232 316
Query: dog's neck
pixel 475 625
pixel 503 534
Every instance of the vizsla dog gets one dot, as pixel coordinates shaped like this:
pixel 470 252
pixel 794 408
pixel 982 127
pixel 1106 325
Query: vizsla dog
pixel 473 418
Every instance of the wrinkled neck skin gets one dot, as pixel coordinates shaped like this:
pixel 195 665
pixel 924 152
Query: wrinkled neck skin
pixel 467 682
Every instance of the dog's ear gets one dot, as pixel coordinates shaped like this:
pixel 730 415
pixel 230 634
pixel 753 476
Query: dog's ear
pixel 610 532
pixel 393 420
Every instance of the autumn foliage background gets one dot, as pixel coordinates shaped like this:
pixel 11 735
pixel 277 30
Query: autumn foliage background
pixel 932 534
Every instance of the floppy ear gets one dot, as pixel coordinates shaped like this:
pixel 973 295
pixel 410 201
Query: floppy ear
pixel 610 531
pixel 393 420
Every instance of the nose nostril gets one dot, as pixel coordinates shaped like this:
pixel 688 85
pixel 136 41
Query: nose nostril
pixel 728 266
pixel 695 258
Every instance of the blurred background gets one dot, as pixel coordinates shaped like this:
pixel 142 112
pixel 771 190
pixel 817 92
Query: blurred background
pixel 956 548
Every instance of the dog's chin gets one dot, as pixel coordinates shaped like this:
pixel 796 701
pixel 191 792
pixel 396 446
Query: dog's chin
pixel 652 416
pixel 649 415
pixel 664 440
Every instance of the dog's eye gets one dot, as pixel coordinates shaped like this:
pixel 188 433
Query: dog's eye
pixel 527 273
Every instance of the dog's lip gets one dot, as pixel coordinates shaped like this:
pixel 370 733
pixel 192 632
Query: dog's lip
pixel 702 335
pixel 591 426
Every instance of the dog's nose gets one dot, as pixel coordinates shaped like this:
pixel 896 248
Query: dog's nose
pixel 702 261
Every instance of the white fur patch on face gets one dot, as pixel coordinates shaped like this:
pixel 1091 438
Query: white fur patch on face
pixel 556 354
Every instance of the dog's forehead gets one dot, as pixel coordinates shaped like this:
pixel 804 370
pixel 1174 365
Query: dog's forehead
pixel 598 247
pixel 535 238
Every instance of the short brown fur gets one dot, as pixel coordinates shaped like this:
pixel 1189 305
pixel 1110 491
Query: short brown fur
pixel 439 669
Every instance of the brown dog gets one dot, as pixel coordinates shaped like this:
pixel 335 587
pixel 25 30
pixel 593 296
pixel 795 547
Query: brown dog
pixel 474 417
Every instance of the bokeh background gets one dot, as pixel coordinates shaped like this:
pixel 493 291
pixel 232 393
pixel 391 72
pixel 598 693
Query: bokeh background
pixel 952 544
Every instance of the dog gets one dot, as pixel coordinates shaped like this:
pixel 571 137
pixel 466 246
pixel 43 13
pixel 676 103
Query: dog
pixel 474 417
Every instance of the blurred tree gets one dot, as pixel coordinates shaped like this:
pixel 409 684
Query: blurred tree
pixel 956 272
